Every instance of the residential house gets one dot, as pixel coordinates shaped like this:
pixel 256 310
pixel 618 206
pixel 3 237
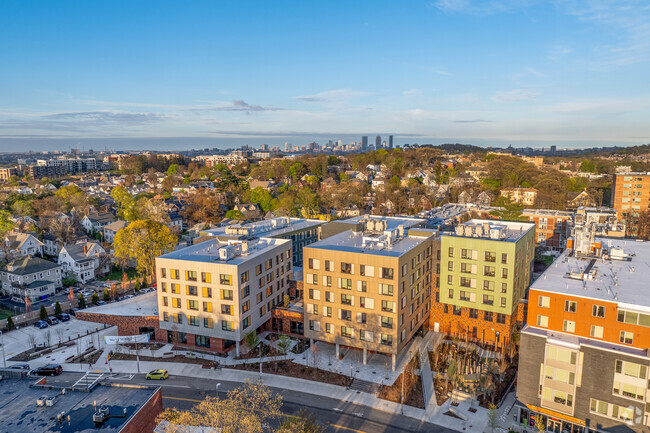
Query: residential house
pixel 31 277
pixel 19 244
pixel 525 196
pixel 94 223
pixel 85 260
pixel 485 198
pixel 251 211
pixel 583 199
pixel 111 230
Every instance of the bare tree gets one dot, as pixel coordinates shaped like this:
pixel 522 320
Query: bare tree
pixel 59 333
pixel 48 337
pixel 32 340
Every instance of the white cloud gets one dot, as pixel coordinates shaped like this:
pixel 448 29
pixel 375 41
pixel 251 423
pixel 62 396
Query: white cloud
pixel 333 96
pixel 515 95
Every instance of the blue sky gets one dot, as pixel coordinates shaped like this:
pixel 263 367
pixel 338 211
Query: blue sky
pixel 569 73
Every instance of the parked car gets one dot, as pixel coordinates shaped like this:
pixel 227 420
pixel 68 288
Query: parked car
pixel 73 311
pixel 41 324
pixel 129 297
pixel 63 317
pixel 48 370
pixel 101 303
pixel 19 367
pixel 52 321
pixel 157 374
pixel 86 293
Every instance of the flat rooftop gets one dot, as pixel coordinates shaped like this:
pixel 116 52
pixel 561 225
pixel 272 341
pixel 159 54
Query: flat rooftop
pixel 267 228
pixel 141 305
pixel 621 281
pixel 549 212
pixel 505 231
pixel 19 412
pixel 369 243
pixel 208 251
pixel 392 222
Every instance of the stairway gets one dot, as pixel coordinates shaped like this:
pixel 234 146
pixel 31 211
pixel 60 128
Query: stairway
pixel 364 386
pixel 88 381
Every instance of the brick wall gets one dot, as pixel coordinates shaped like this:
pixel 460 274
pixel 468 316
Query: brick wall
pixel 144 421
pixel 126 325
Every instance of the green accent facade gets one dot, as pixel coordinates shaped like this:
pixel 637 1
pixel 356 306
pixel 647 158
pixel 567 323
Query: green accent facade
pixel 472 284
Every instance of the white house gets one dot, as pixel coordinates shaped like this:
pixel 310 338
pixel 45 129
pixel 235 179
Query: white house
pixel 85 260
pixel 22 244
pixel 96 222
pixel 111 230
pixel 31 277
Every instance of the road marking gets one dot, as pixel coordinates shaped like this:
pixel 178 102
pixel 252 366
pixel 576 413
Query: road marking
pixel 292 416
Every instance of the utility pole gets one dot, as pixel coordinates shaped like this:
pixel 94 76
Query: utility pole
pixel 2 343
pixel 137 356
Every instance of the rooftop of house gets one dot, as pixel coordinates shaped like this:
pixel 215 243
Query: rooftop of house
pixel 618 274
pixel 392 222
pixel 28 265
pixel 20 413
pixel 226 252
pixel 105 217
pixel 507 231
pixel 116 226
pixel 141 305
pixel 380 242
pixel 548 212
pixel 269 228
pixel 84 250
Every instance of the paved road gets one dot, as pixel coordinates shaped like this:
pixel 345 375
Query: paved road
pixel 184 392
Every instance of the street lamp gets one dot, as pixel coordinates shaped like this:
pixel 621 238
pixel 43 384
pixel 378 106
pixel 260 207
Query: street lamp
pixel 2 343
pixel 218 385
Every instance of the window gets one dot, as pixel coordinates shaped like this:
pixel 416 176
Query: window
pixel 466 254
pixel 226 294
pixel 314 294
pixel 544 302
pixel 244 277
pixel 596 331
pixel 329 296
pixel 165 302
pixel 346 314
pixel 501 318
pixel 246 322
pixel 327 311
pixel 193 320
pixel 504 287
pixel 386 339
pixel 175 274
pixel 346 283
pixel 176 302
pixel 245 291
pixel 365 336
pixel 227 325
pixel 569 326
pixel 562 354
pixel 504 272
pixel 190 275
pixel 258 270
pixel 366 271
pixel 626 337
pixel 504 258
pixel 473 313
pixel 366 303
pixel 163 273
pixel 386 322
pixel 206 277
pixel 598 311
pixel 465 282
pixel 327 280
pixel 488 271
pixel 226 309
pixel 362 286
pixel 346 331
pixel 490 256
pixel 177 318
pixel 631 369
pixel 487 316
pixel 260 297
pixel 346 268
pixel 262 310
pixel 450 266
pixel 225 279
pixel 503 302
pixel 329 328
pixel 192 290
pixel 176 288
pixel 388 306
pixel 450 279
pixel 450 294
pixel 165 316
pixel 207 292
pixel 387 273
pixel 488 285
pixel 346 299
pixel 386 289
pixel 542 321
pixel 202 341
pixel 268 264
pixel 570 306
pixel 329 265
pixel 488 300
pixel 457 310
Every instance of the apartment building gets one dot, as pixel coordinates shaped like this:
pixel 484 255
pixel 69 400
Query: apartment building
pixel 213 293
pixel 301 231
pixel 369 288
pixel 525 196
pixel 631 199
pixel 552 227
pixel 6 173
pixel 485 270
pixel 584 357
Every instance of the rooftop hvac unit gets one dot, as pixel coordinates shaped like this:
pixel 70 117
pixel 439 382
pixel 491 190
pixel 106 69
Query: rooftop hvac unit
pixel 459 231
pixel 226 252
pixel 478 230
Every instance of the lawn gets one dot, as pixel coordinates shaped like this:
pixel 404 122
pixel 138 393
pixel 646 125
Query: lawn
pixel 116 274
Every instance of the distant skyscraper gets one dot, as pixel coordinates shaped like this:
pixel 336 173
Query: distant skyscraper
pixel 390 141
pixel 364 142
pixel 286 146
pixel 378 142
pixel 553 149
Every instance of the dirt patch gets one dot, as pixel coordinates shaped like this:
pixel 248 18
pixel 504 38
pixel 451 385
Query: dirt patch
pixel 291 369
pixel 414 394
pixel 177 358
pixel 255 353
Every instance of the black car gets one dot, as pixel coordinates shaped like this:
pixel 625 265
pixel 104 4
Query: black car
pixel 51 321
pixel 48 370
pixel 63 317
pixel 19 367
pixel 73 311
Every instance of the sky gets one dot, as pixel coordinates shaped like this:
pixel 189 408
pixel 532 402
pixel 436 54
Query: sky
pixel 189 74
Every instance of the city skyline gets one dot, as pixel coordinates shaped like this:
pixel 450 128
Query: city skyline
pixel 145 75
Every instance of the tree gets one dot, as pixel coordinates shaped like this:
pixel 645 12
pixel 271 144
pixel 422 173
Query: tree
pixel 107 296
pixel 510 211
pixel 70 295
pixel 247 409
pixel 264 198
pixel 6 225
pixel 43 313
pixel 142 241
pixel 81 301
pixel 144 282
pixel 493 417
pixel 252 340
pixel 304 422
pixel 172 170
pixel 126 204
pixel 10 323
pixel 540 425
pixel 57 308
pixel 235 214
pixel 137 285
pixel 95 298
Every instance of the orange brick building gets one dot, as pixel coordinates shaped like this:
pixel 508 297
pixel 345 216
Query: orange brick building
pixel 631 198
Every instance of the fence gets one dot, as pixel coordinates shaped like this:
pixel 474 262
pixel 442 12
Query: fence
pixel 34 316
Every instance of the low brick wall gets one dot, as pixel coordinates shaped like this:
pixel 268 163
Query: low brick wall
pixel 144 421
pixel 126 325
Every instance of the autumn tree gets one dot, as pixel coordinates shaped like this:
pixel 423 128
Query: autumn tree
pixel 510 211
pixel 142 241
pixel 6 225
pixel 247 409
pixel 126 204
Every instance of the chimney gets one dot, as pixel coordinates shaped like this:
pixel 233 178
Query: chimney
pixel 86 249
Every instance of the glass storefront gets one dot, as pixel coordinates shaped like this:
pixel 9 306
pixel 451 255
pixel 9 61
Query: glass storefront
pixel 527 419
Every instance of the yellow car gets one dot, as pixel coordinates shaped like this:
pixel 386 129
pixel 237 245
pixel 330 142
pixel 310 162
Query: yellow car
pixel 157 374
